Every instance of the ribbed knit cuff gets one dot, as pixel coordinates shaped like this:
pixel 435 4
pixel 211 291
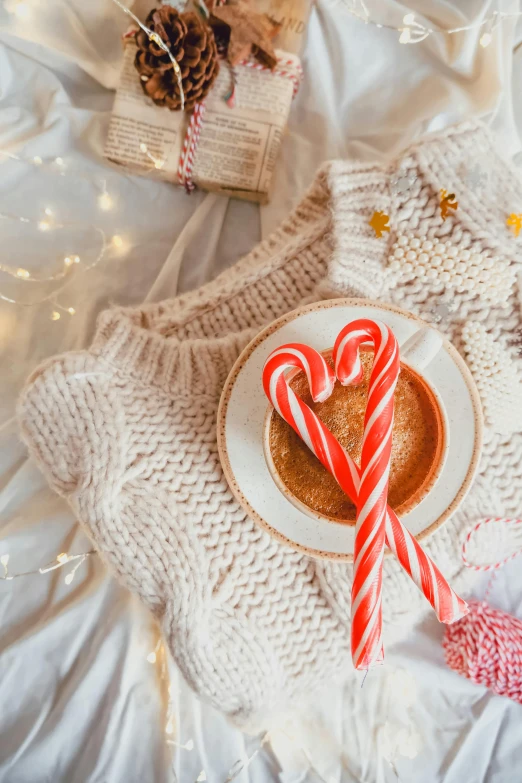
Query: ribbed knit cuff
pixel 182 367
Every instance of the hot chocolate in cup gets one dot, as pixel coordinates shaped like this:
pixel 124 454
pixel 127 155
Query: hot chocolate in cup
pixel 418 443
pixel 437 437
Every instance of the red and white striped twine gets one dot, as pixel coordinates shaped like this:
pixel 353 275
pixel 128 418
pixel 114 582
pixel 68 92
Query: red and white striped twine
pixel 188 151
pixel 486 648
pixel 486 645
pixel 474 530
pixel 286 68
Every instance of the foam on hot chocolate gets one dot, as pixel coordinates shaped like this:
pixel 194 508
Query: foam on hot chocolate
pixel 418 439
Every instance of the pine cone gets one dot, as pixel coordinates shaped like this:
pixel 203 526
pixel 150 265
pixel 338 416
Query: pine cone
pixel 193 46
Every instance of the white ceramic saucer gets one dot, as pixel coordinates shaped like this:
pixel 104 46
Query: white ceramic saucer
pixel 243 409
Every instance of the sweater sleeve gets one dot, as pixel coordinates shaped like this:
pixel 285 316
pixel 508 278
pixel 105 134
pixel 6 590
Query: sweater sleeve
pixel 71 418
pixel 53 414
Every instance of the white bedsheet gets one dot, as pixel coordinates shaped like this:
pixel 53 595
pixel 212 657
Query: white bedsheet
pixel 79 701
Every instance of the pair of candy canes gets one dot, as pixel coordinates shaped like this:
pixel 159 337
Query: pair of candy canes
pixel 367 485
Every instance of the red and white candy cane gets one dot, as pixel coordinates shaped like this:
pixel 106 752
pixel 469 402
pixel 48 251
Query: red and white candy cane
pixel 372 496
pixel 425 574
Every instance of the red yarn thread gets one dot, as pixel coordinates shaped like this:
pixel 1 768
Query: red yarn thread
pixel 486 647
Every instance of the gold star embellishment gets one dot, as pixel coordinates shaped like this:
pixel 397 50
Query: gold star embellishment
pixel 447 202
pixel 514 222
pixel 379 223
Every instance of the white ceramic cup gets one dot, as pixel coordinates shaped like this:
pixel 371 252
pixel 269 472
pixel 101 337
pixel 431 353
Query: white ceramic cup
pixel 242 425
pixel 416 353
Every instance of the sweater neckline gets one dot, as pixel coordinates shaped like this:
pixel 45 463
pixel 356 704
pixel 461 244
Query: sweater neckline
pixel 188 344
pixel 169 344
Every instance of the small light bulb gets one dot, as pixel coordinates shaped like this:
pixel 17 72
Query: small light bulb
pixel 59 161
pixel 158 164
pixel 151 657
pixel 189 745
pixel 22 273
pixel 409 19
pixel 68 261
pixel 37 160
pixel 62 557
pixel 71 310
pixel 48 211
pixel 68 579
pixel 76 259
pixel 55 315
pixel 22 10
pixel 486 39
pixel 105 201
pixel 405 36
pixel 117 241
pixel 143 147
pixel 4 560
pixel 44 225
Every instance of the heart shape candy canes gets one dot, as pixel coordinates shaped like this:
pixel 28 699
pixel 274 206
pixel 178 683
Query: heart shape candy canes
pixel 425 574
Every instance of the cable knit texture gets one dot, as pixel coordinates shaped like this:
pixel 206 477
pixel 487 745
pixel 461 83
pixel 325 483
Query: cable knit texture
pixel 126 431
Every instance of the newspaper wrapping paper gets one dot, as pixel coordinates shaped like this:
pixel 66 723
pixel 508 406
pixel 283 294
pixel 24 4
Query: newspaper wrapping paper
pixel 237 147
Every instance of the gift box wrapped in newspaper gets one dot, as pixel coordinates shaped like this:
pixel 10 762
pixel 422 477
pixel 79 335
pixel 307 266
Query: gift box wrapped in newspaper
pixel 227 143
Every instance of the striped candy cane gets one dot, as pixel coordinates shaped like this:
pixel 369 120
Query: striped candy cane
pixel 425 574
pixel 372 496
pixel 447 605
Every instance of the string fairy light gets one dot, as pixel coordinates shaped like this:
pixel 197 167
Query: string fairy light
pixel 487 35
pixel 57 167
pixel 158 656
pixel 412 31
pixel 189 745
pixel 153 655
pixel 68 262
pixel 105 200
pixel 60 561
pixel 158 163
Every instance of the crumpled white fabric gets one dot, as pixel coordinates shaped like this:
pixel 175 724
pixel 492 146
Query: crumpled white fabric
pixel 79 700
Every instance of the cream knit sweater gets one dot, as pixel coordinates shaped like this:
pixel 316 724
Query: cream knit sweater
pixel 126 431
